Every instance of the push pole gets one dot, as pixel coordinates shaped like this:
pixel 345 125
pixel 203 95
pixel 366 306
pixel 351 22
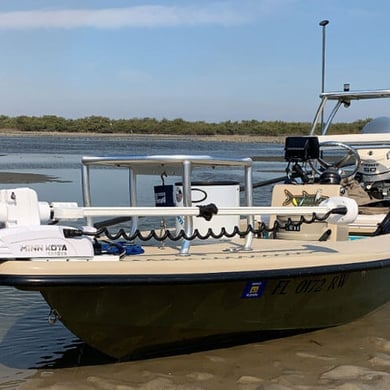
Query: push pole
pixel 323 24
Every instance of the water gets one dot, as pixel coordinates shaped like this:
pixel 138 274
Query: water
pixel 34 354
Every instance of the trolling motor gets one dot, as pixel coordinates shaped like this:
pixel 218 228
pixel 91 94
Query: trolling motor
pixel 24 233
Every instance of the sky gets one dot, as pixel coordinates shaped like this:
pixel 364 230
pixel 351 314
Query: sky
pixel 199 60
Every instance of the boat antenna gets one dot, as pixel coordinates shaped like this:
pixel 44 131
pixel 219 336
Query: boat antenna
pixel 323 24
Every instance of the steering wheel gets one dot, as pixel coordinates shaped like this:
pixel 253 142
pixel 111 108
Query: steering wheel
pixel 350 154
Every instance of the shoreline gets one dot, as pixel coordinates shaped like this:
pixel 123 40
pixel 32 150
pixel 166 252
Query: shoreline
pixel 210 138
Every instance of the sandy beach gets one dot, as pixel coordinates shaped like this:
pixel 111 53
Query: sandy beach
pixel 354 356
pixel 26 178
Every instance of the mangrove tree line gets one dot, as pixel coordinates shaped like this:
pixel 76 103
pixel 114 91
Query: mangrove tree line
pixel 101 124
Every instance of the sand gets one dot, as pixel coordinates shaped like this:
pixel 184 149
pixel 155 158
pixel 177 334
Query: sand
pixel 27 178
pixel 353 356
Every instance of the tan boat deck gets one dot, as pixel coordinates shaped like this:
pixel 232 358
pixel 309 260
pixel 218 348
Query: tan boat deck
pixel 266 255
pixel 271 254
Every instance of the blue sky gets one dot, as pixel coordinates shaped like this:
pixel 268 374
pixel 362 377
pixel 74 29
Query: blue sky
pixel 197 60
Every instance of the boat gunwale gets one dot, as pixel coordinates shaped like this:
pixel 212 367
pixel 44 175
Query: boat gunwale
pixel 122 280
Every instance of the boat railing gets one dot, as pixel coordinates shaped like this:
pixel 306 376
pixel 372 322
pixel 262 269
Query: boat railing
pixel 172 165
pixel 342 98
pixel 335 210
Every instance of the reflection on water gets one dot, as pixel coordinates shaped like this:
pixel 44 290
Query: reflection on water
pixel 28 341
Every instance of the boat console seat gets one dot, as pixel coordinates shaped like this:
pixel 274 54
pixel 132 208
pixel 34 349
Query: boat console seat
pixel 306 195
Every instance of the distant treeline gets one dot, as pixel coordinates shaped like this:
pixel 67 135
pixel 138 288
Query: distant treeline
pixel 100 124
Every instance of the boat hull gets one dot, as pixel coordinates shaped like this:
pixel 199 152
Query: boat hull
pixel 156 299
pixel 125 319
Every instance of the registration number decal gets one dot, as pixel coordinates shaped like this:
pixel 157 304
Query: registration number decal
pixel 254 289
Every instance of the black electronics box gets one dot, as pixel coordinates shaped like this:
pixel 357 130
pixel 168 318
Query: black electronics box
pixel 301 149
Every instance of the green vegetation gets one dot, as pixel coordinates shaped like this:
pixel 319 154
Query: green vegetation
pixel 100 124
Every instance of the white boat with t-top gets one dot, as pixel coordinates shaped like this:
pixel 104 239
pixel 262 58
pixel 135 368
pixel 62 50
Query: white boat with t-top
pixel 368 153
pixel 201 263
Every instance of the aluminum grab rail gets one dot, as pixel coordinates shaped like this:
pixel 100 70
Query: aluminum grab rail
pixel 346 208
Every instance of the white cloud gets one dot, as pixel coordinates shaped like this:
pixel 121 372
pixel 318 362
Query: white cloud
pixel 113 18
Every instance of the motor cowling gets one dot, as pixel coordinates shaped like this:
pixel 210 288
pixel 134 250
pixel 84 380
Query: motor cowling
pixel 374 170
pixel 20 206
pixel 37 242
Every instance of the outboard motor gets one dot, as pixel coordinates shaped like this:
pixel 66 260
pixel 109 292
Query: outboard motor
pixel 374 171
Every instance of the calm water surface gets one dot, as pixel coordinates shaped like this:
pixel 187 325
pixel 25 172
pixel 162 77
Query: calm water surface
pixel 34 354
